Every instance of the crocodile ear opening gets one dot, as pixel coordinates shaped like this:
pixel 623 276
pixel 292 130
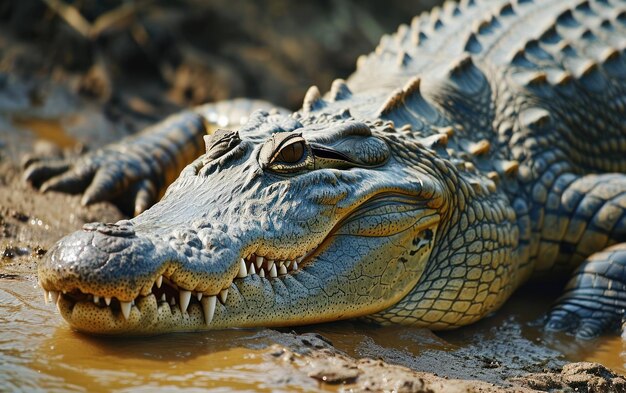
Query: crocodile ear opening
pixel 329 158
pixel 323 152
pixel 367 152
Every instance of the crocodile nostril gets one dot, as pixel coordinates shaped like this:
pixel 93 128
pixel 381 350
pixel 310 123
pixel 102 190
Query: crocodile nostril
pixel 120 229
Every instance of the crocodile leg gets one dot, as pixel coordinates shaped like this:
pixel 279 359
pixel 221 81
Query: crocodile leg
pixel 590 234
pixel 136 171
pixel 595 298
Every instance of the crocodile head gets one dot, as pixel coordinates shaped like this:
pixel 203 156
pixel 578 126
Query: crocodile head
pixel 277 224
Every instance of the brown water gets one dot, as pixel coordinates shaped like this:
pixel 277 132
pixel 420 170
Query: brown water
pixel 38 352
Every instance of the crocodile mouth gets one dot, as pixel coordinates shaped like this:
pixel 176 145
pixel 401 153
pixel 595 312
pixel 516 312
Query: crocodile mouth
pixel 166 299
pixel 264 286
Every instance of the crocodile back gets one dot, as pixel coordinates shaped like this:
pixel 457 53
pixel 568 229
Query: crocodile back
pixel 542 81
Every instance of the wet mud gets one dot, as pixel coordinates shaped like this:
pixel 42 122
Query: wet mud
pixel 53 104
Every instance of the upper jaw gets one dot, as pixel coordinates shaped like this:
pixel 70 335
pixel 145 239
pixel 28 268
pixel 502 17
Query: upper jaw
pixel 108 272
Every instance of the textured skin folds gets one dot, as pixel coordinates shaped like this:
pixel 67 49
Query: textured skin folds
pixel 480 146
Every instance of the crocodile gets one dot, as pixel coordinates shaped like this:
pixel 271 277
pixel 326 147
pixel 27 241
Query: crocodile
pixel 478 147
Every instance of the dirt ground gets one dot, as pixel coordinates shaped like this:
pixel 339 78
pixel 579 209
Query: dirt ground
pixel 76 78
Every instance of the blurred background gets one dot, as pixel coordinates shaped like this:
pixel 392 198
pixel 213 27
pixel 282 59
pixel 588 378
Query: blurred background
pixel 132 55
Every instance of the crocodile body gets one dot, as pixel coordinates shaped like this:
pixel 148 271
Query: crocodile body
pixel 481 145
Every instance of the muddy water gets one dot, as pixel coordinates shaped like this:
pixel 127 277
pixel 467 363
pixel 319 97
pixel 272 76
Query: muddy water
pixel 38 352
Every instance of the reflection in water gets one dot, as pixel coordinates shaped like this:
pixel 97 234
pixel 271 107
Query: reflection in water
pixel 38 352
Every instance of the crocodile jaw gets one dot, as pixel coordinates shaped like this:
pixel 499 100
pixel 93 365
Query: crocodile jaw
pixel 318 289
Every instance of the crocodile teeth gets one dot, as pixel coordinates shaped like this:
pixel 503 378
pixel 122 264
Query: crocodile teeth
pixel 107 301
pixel 125 306
pixel 295 265
pixel 163 298
pixel 199 296
pixel 208 306
pixel 224 294
pixel 270 264
pixel 252 269
pixel 45 296
pixel 96 299
pixel 282 270
pixel 243 271
pixel 259 261
pixel 184 296
pixel 159 281
pixel 173 301
pixel 261 273
pixel 54 296
pixel 299 260
pixel 273 271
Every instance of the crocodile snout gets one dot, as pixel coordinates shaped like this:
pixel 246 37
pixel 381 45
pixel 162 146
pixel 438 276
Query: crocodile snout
pixel 108 259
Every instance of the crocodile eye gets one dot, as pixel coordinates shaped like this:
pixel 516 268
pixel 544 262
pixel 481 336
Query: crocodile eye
pixel 286 153
pixel 291 153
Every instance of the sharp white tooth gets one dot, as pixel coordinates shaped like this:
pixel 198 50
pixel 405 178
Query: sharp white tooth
pixel 54 296
pixel 223 295
pixel 273 271
pixel 107 301
pixel 173 301
pixel 45 296
pixel 270 264
pixel 59 306
pixel 184 296
pixel 282 270
pixel 261 272
pixel 159 281
pixel 208 306
pixel 288 263
pixel 96 299
pixel 163 298
pixel 294 266
pixel 299 260
pixel 243 272
pixel 259 261
pixel 252 269
pixel 125 306
pixel 199 296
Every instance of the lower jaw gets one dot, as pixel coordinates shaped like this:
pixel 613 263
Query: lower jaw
pixel 147 317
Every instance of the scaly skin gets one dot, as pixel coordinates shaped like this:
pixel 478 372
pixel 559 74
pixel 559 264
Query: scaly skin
pixel 481 145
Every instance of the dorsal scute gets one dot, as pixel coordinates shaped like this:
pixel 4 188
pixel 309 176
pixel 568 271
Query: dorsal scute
pixel 465 76
pixel 313 100
pixel 339 90
pixel 395 100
